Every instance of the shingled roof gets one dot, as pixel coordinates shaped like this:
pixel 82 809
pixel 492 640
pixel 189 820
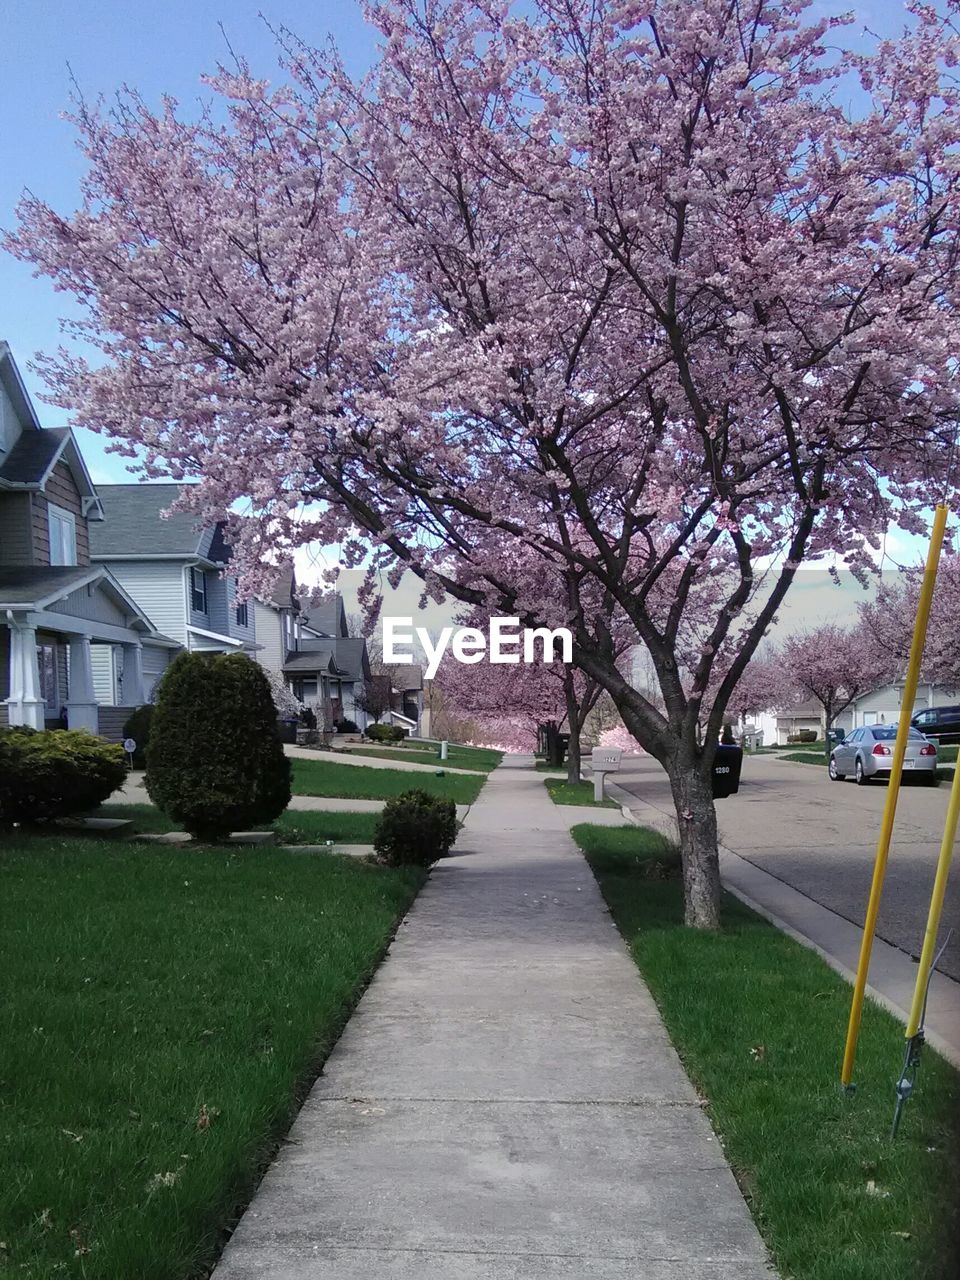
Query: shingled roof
pixel 32 456
pixel 134 525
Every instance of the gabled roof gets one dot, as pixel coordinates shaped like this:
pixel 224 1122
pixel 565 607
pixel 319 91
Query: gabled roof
pixel 328 618
pixel 345 656
pixel 31 458
pixel 134 527
pixel 40 587
pixel 13 385
pixel 36 586
pixel 405 676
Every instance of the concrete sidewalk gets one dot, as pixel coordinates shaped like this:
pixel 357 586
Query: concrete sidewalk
pixel 505 1103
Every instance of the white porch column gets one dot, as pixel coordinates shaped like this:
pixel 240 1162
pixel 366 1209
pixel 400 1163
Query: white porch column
pixel 25 705
pixel 133 695
pixel 82 703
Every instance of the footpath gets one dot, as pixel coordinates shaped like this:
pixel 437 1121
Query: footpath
pixel 505 1103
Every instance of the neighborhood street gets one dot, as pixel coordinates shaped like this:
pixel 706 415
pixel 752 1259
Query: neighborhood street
pixel 820 837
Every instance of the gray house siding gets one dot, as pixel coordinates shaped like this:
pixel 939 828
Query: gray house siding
pixel 269 633
pixel 89 602
pixel 104 673
pixel 158 588
pixel 246 633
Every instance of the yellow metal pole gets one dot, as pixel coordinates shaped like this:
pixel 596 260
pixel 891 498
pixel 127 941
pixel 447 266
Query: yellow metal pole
pixel 893 790
pixel 936 906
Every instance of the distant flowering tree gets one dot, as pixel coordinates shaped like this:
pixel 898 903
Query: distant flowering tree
pixel 887 624
pixel 834 666
pixel 623 288
pixel 287 705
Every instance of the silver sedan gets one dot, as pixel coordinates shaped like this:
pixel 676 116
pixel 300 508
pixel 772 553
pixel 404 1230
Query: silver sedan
pixel 868 753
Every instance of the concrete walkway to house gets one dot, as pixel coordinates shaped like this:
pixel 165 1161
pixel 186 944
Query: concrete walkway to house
pixel 505 1103
pixel 373 762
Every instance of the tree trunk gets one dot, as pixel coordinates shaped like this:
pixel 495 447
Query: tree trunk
pixel 573 720
pixel 697 821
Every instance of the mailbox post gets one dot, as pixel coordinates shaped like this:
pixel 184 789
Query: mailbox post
pixel 603 760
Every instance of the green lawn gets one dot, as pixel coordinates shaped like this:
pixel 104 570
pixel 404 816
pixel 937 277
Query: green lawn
pixel 296 826
pixel 759 1022
pixel 457 757
pixel 563 792
pixel 161 1016
pixel 807 757
pixel 330 778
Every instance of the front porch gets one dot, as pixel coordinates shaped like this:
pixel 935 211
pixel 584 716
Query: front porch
pixel 72 651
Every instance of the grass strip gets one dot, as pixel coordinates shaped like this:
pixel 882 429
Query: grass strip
pixel 563 792
pixel 161 1017
pixel 329 778
pixel 759 1022
pixel 296 826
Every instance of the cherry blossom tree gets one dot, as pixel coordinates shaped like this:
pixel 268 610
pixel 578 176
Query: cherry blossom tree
pixel 887 624
pixel 834 666
pixel 623 288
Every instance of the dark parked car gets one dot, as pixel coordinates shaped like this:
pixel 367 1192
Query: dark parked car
pixel 942 724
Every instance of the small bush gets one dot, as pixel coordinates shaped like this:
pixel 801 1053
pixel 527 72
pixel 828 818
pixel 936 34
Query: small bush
pixel 345 726
pixel 138 728
pixel 386 733
pixel 415 829
pixel 56 773
pixel 215 761
pixel 803 735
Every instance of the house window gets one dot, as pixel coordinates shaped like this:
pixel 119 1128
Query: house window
pixel 63 535
pixel 198 591
pixel 242 614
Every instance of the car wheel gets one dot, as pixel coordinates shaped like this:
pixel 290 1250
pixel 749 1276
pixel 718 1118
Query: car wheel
pixel 862 779
pixel 832 770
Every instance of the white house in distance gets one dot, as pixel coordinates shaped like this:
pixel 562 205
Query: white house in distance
pixel 880 706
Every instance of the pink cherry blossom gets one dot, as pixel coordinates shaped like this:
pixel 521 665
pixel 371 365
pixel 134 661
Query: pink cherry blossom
pixel 622 292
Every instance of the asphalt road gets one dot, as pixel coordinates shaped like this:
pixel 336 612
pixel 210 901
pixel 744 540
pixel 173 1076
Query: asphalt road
pixel 820 837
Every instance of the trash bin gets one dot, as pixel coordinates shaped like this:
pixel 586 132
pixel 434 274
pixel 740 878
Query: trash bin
pixel 726 771
pixel 288 730
pixel 836 735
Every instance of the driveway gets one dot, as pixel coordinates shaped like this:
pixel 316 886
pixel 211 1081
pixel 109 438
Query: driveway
pixel 820 837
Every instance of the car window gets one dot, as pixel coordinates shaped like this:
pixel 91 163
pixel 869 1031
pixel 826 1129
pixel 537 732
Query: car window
pixel 925 717
pixel 887 732
pixel 855 736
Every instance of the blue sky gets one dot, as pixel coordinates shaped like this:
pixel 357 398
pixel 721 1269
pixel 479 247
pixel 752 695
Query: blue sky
pixel 106 44
pixel 158 49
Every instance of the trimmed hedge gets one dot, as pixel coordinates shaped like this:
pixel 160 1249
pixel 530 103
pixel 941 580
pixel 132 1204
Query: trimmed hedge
pixel 137 727
pixel 385 733
pixel 415 829
pixel 215 762
pixel 56 773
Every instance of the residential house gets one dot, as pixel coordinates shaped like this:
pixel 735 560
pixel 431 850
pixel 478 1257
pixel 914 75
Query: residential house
pixel 277 620
pixel 407 702
pixel 328 667
pixel 61 612
pixel 879 706
pixel 175 570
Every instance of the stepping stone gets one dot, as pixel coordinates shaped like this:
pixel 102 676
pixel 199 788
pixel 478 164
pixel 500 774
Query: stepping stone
pixel 252 837
pixel 347 850
pixel 166 837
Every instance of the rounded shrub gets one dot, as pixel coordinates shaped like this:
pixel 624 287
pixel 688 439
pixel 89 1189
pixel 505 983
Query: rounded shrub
pixel 415 829
pixel 56 773
pixel 385 733
pixel 137 727
pixel 215 762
